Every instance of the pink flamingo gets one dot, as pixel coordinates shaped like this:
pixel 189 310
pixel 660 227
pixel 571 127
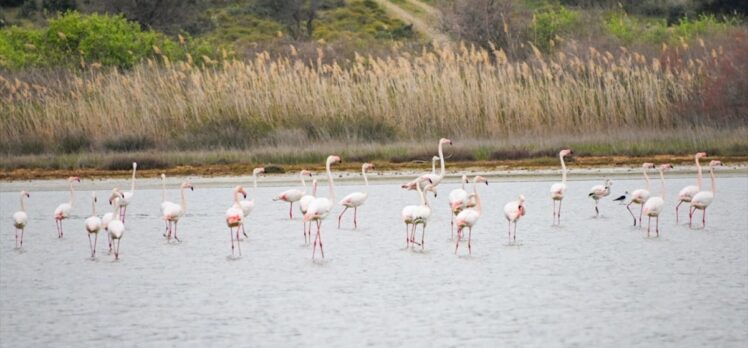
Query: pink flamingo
pixel 235 218
pixel 304 207
pixel 469 217
pixel 293 195
pixel 20 219
pixel 107 218
pixel 654 205
pixel 458 201
pixel 513 211
pixel 173 212
pixel 63 210
pixel 600 191
pixel 116 227
pixel 356 199
pixel 558 189
pixel 128 195
pixel 93 225
pixel 248 206
pixel 687 193
pixel 640 196
pixel 433 164
pixel 412 213
pixel 703 199
pixel 320 207
pixel 435 178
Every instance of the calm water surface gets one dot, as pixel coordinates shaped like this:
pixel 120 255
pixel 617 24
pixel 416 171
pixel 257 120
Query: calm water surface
pixel 590 282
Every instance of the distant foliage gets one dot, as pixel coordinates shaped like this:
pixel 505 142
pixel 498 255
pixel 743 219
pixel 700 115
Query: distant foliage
pixel 59 5
pixel 632 29
pixel 547 24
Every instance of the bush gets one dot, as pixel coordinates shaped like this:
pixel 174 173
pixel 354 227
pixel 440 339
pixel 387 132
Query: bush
pixel 59 5
pixel 547 24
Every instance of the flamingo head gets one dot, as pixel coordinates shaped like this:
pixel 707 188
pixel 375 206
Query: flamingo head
pixel 306 172
pixel 93 195
pixel 445 141
pixel 240 189
pixel 74 178
pixel 425 178
pixel 188 185
pixel 465 179
pixel 260 170
pixel 608 183
pixel 367 166
pixel 700 155
pixel 648 165
pixel 715 163
pixel 479 178
pixel 566 152
pixel 334 159
pixel 435 158
pixel 666 166
pixel 134 165
pixel 163 176
pixel 116 194
pixel 24 193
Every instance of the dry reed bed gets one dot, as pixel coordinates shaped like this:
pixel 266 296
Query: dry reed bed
pixel 463 93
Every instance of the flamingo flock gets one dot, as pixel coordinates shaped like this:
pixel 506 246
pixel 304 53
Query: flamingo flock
pixel 465 208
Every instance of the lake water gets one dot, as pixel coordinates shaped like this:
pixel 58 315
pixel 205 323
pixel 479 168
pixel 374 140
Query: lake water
pixel 590 282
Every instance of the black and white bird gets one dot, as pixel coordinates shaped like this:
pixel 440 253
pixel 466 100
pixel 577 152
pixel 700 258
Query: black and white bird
pixel 622 198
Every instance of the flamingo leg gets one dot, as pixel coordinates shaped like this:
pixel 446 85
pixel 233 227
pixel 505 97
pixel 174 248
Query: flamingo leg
pixel 559 210
pixel 628 207
pixel 452 226
pixel 423 234
pixel 676 211
pixel 703 219
pixel 116 250
pixel 109 237
pixel 459 234
pixel 649 222
pixel 231 236
pixel 413 235
pixel 554 211
pixel 16 238
pixel 341 216
pixel 597 211
pixel 290 211
pixel 319 234
pixel 470 238
pixel 90 246
pixel 316 238
pixel 244 233
pixel 22 230
pixel 641 212
pixel 238 245
pixel 657 226
pixel 355 223
pixel 175 231
pixel 690 215
pixel 514 235
pixel 407 236
pixel 96 240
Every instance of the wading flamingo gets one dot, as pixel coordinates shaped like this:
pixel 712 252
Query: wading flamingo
pixel 356 199
pixel 687 193
pixel 93 225
pixel 320 207
pixel 173 212
pixel 20 219
pixel 600 191
pixel 513 211
pixel 235 218
pixel 458 201
pixel 116 227
pixel 303 207
pixel 410 212
pixel 640 196
pixel 249 205
pixel 107 218
pixel 703 199
pixel 293 195
pixel 653 206
pixel 63 210
pixel 128 195
pixel 435 178
pixel 558 189
pixel 469 217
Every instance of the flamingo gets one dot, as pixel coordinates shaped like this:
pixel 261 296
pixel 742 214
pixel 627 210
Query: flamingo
pixel 600 191
pixel 640 196
pixel 411 213
pixel 93 225
pixel 356 199
pixel 653 206
pixel 116 227
pixel 558 189
pixel 304 207
pixel 293 195
pixel 433 164
pixel 173 212
pixel 320 207
pixel 469 217
pixel 20 219
pixel 248 206
pixel 687 193
pixel 703 199
pixel 107 218
pixel 513 211
pixel 435 178
pixel 235 218
pixel 128 195
pixel 458 201
pixel 63 210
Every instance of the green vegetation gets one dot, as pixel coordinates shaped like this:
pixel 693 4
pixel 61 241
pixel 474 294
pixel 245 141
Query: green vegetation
pixel 547 24
pixel 631 29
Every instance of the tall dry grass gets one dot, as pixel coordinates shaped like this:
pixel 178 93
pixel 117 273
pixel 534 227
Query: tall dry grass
pixel 462 92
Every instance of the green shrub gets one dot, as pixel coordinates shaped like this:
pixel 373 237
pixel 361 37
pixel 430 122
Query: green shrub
pixel 547 24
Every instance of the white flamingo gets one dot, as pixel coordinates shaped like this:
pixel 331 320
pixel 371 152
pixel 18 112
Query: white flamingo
pixel 248 205
pixel 173 212
pixel 639 196
pixel 513 211
pixel 458 201
pixel 116 227
pixel 63 210
pixel 469 217
pixel 107 218
pixel 320 207
pixel 435 178
pixel 235 218
pixel 654 205
pixel 411 213
pixel 687 193
pixel 93 225
pixel 20 218
pixel 703 199
pixel 128 195
pixel 600 191
pixel 558 189
pixel 356 199
pixel 293 195
pixel 433 164
pixel 304 207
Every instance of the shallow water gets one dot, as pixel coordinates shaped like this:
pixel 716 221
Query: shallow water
pixel 593 281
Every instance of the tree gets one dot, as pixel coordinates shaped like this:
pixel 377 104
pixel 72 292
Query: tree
pixel 294 14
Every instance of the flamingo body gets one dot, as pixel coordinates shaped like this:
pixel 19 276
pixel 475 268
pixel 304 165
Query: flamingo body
pixel 93 224
pixel 557 191
pixel 20 219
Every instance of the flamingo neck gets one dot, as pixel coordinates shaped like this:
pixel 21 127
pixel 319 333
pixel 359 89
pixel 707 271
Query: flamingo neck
pixel 698 178
pixel 303 182
pixel 314 188
pixel 646 177
pixel 662 181
pixel 132 181
pixel 433 166
pixel 93 207
pixel 184 201
pixel 23 206
pixel 254 185
pixel 116 209
pixel 163 189
pixel 714 184
pixel 366 180
pixel 464 178
pixel 236 197
pixel 330 182
pixel 421 194
pixel 477 197
pixel 563 169
pixel 441 158
pixel 72 194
